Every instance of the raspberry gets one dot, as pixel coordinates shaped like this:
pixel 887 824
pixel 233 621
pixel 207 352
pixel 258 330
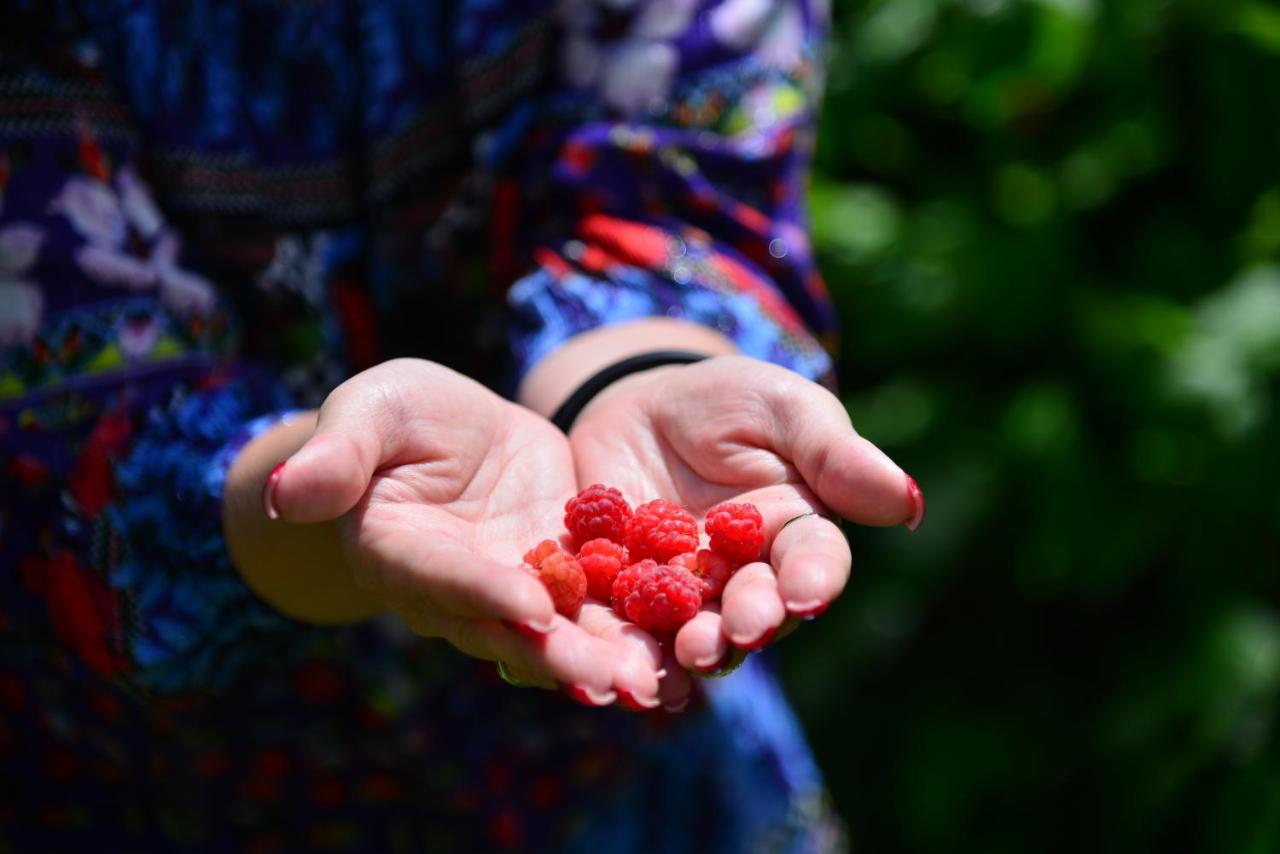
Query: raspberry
pixel 560 573
pixel 712 571
pixel 656 597
pixel 597 511
pixel 602 560
pixel 661 530
pixel 624 584
pixel 736 531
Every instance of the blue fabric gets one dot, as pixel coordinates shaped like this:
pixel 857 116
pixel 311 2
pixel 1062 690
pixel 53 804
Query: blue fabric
pixel 212 212
pixel 198 625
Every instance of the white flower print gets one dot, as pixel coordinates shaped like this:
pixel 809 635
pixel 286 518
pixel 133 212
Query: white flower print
pixel 738 23
pixel 112 267
pixel 298 266
pixel 137 336
pixel 106 216
pixel 21 306
pixel 780 46
pixel 21 303
pixel 664 19
pixel 20 243
pixel 184 291
pixel 136 201
pixel 638 74
pixel 93 210
pixel 633 73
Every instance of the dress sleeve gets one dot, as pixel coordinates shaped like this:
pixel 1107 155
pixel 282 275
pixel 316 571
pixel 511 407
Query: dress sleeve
pixel 122 404
pixel 678 138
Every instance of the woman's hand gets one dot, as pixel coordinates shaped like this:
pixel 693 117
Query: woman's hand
pixel 737 429
pixel 439 486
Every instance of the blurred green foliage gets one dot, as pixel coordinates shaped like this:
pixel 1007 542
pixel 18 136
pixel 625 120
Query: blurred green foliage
pixel 1053 231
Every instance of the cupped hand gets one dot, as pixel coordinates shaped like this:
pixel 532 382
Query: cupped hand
pixel 441 486
pixel 738 429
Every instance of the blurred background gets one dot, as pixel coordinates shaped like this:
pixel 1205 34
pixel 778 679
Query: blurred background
pixel 1053 230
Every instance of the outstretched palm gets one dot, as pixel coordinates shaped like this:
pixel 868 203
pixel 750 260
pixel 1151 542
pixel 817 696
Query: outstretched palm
pixel 444 485
pixel 736 429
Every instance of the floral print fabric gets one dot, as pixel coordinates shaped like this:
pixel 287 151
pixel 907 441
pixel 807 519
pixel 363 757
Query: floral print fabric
pixel 213 212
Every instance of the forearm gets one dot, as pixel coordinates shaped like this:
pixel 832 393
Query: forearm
pixel 550 382
pixel 298 569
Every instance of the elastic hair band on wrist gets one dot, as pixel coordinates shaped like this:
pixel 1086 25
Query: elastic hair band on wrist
pixel 573 406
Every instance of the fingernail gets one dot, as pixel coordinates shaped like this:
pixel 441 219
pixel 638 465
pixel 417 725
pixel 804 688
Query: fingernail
pixel 530 629
pixel 677 707
pixel 587 697
pixel 807 610
pixel 269 492
pixel 760 642
pixel 717 664
pixel 917 502
pixel 661 673
pixel 631 702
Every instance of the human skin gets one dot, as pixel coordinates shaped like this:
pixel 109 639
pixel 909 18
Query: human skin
pixel 416 490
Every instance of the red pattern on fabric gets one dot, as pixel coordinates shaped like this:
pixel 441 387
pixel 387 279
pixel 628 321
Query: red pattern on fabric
pixel 770 300
pixel 551 262
pixel 91 479
pixel 92 158
pixel 29 470
pixel 578 157
pixel 82 611
pixel 503 227
pixel 355 311
pixel 633 242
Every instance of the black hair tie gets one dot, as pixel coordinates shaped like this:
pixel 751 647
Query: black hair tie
pixel 596 383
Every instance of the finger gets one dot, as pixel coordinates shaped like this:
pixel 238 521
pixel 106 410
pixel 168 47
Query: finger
pixel 750 608
pixel 637 657
pixel 491 642
pixel 473 638
pixel 700 644
pixel 813 561
pixel 569 658
pixel 789 625
pixel 458 582
pixel 354 436
pixel 848 473
pixel 676 687
pixel 525 680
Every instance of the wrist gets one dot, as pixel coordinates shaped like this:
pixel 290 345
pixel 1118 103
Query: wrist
pixel 642 383
pixel 297 569
pixel 558 375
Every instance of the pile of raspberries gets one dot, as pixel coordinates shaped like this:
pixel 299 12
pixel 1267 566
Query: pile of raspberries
pixel 646 561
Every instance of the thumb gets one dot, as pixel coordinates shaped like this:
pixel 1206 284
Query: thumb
pixel 849 474
pixel 329 474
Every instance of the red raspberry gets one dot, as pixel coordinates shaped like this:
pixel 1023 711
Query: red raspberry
pixel 661 530
pixel 712 571
pixel 736 531
pixel 624 584
pixel 602 560
pixel 560 573
pixel 656 597
pixel 597 511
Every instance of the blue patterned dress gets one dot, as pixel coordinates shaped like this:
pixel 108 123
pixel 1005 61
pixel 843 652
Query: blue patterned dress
pixel 210 214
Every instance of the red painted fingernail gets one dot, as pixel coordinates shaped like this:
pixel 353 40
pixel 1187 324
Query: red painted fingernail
pixel 629 700
pixel 717 665
pixel 532 631
pixel 269 492
pixel 917 502
pixel 583 695
pixel 810 612
pixel 762 641
pixel 676 707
